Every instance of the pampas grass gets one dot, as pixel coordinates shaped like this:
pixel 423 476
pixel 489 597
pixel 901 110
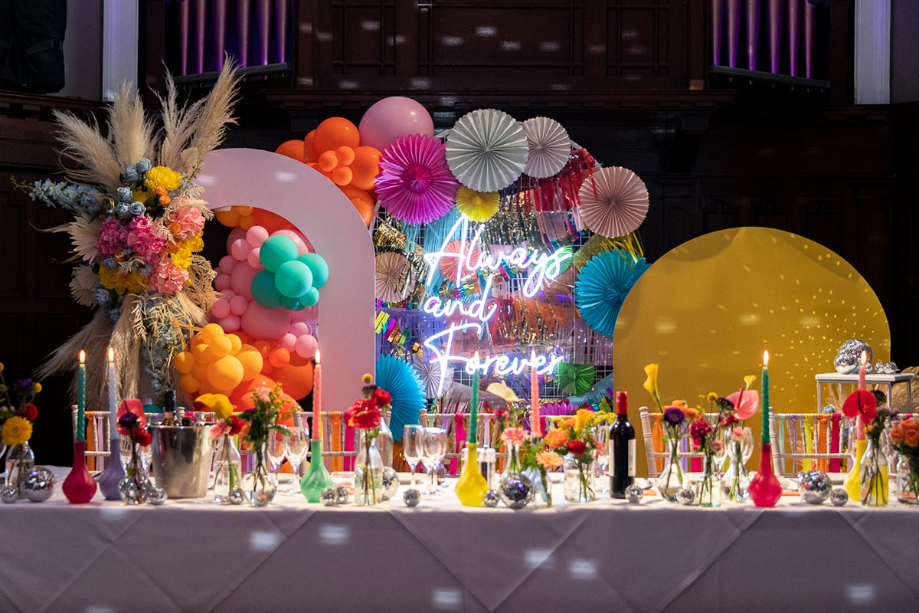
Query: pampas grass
pixel 84 144
pixel 129 130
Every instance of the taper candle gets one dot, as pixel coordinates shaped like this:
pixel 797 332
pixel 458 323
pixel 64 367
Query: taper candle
pixel 765 436
pixel 112 394
pixel 81 398
pixel 317 398
pixel 472 436
pixel 535 429
pixel 862 386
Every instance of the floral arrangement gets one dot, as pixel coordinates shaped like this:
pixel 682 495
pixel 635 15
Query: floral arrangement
pixel 17 412
pixel 137 233
pixel 366 415
pixel 905 439
pixel 573 436
pixel 133 423
pixel 263 420
pixel 227 425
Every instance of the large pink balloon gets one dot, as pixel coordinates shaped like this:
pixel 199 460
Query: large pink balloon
pixel 241 279
pixel 235 235
pixel 227 264
pixel 306 346
pixel 264 324
pixel 256 235
pixel 392 118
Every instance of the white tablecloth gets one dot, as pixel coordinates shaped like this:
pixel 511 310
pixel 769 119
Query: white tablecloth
pixel 607 555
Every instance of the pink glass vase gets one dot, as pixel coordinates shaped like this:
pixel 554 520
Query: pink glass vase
pixel 765 489
pixel 79 486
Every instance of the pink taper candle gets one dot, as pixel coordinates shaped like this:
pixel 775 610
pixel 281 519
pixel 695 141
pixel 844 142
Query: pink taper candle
pixel 317 398
pixel 535 429
pixel 862 387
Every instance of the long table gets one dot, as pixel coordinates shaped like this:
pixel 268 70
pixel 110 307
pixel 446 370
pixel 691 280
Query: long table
pixel 603 556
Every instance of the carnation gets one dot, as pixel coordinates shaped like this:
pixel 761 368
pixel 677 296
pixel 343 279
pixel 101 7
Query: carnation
pixel 142 240
pixel 364 415
pixel 577 447
pixel 382 397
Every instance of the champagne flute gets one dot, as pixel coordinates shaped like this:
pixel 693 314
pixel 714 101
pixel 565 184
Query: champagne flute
pixel 275 451
pixel 296 445
pixel 601 434
pixel 433 450
pixel 412 443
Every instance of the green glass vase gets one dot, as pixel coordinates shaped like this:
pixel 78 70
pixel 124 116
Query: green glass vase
pixel 316 478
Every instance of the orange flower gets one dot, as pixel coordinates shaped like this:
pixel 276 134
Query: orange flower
pixel 911 437
pixel 569 421
pixel 160 190
pixel 909 424
pixel 549 459
pixel 164 200
pixel 691 414
pixel 175 228
pixel 896 435
pixel 556 438
pixel 680 404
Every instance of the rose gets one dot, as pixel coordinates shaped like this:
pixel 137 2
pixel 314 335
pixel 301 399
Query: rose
pixel 364 415
pixel 674 416
pixel 29 411
pixel 262 393
pixel 911 437
pixel 142 437
pixel 579 447
pixel 737 434
pixel 717 446
pixel 896 435
pixel 382 397
pixel 556 438
pixel 237 426
pixel 909 424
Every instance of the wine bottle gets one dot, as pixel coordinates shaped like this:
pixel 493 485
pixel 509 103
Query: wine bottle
pixel 169 408
pixel 621 449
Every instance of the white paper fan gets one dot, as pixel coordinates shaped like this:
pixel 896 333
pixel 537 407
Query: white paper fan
pixel 614 202
pixel 487 150
pixel 549 147
pixel 393 277
pixel 429 373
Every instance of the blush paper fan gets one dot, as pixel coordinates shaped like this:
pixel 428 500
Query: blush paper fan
pixel 429 373
pixel 549 147
pixel 415 185
pixel 602 286
pixel 477 206
pixel 487 150
pixel 393 277
pixel 399 379
pixel 448 265
pixel 614 202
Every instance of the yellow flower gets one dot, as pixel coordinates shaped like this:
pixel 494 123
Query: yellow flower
pixel 583 417
pixel 651 384
pixel 218 403
pixel 165 176
pixel 36 388
pixel 16 431
pixel 1 366
pixel 141 195
pixel 367 378
pixel 748 380
pixel 135 282
pixel 712 397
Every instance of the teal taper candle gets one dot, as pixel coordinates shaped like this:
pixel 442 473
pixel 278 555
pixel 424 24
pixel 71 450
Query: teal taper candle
pixel 765 436
pixel 472 436
pixel 81 398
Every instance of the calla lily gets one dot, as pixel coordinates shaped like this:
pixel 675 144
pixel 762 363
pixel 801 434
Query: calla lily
pixel 582 419
pixel 651 384
pixel 745 405
pixel 218 403
pixel 860 404
pixel 748 381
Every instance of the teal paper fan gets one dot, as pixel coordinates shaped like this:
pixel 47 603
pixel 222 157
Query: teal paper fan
pixel 602 286
pixel 400 380
pixel 575 379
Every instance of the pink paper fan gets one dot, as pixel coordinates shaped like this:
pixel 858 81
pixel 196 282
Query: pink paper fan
pixel 415 184
pixel 449 265
pixel 614 202
pixel 748 404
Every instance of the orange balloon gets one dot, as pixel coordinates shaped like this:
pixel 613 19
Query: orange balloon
pixel 240 396
pixel 228 218
pixel 361 200
pixel 296 380
pixel 263 347
pixel 341 176
pixel 199 372
pixel 221 346
pixel 243 337
pixel 246 222
pixel 236 343
pixel 328 161
pixel 309 148
pixel 206 388
pixel 244 211
pixel 184 362
pixel 188 383
pixel 365 167
pixel 335 132
pixel 293 149
pixel 270 221
pixel 226 373
pixel 251 361
pixel 345 155
pixel 279 357
pixel 203 354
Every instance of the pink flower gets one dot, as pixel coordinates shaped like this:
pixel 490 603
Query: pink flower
pixel 746 406
pixel 717 446
pixel 167 278
pixel 190 222
pixel 514 436
pixel 112 238
pixel 219 429
pixel 737 434
pixel 264 393
pixel 143 241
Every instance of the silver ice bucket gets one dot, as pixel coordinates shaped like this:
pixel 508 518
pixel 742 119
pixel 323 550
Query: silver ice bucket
pixel 182 459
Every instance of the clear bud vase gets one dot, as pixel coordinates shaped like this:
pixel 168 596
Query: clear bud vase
pixel 874 481
pixel 20 460
pixel 227 484
pixel 368 472
pixel 672 479
pixel 258 487
pixel 708 487
pixel 908 479
pixel 578 478
pixel 735 485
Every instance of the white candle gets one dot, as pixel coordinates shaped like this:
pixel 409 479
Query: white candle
pixel 112 395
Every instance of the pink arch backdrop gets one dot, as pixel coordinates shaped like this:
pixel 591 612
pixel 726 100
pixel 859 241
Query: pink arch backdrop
pixel 249 177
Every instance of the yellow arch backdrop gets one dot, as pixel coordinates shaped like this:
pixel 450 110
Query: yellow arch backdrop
pixel 707 309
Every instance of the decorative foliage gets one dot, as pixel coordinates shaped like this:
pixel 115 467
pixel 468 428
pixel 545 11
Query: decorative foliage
pixel 575 379
pixel 602 286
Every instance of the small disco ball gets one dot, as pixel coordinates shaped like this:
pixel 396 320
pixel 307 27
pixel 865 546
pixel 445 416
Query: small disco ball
pixel 9 494
pixel 327 497
pixel 686 496
pixel 516 490
pixel 634 493
pixel 236 496
pixel 390 482
pixel 814 486
pixel 341 495
pixel 38 484
pixel 839 497
pixel 491 498
pixel 846 362
pixel 890 368
pixel 856 346
pixel 157 496
pixel 412 497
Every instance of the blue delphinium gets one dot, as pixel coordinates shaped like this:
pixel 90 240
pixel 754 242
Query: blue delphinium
pixel 143 165
pixel 122 209
pixel 138 208
pixel 75 198
pixel 125 194
pixel 130 174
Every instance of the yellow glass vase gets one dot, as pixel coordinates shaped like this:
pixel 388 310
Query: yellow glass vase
pixel 471 486
pixel 854 478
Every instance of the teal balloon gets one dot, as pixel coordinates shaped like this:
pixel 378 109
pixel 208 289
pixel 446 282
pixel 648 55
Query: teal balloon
pixel 291 304
pixel 293 279
pixel 277 250
pixel 310 298
pixel 264 290
pixel 317 266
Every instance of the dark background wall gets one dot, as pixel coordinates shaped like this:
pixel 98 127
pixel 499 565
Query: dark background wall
pixel 629 79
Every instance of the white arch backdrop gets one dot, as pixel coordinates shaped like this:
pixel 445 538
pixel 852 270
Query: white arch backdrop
pixel 250 177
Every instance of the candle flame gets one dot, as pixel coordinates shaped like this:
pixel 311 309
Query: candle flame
pixel 82 357
pixel 317 357
pixel 111 354
pixel 476 357
pixel 765 358
pixel 864 357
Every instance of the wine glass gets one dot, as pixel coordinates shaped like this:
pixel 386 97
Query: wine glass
pixel 412 443
pixel 601 436
pixel 296 445
pixel 433 449
pixel 275 451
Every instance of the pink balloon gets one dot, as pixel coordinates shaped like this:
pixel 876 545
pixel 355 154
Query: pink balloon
pixel 221 308
pixel 300 328
pixel 227 263
pixel 309 314
pixel 254 260
pixel 264 324
pixel 238 305
pixel 222 282
pixel 230 323
pixel 296 237
pixel 235 235
pixel 241 280
pixel 240 249
pixel 306 346
pixel 288 341
pixel 392 118
pixel 256 235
